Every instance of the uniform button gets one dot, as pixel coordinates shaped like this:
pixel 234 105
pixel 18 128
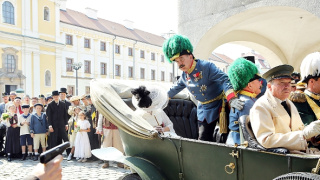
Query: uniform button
pixel 205 99
pixel 192 92
pixel 202 94
pixel 197 85
pixel 195 96
pixel 196 69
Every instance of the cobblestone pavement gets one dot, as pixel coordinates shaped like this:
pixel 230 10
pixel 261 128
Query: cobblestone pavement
pixel 17 169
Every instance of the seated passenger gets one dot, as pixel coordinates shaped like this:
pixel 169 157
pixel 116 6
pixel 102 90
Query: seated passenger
pixel 245 81
pixel 275 120
pixel 149 104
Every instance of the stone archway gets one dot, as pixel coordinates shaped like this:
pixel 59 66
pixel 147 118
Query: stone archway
pixel 283 34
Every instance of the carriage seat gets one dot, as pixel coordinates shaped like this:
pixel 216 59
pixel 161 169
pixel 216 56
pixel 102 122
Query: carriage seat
pixel 182 113
pixel 248 136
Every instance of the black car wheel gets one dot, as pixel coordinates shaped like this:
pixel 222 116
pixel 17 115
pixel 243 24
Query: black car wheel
pixel 298 176
pixel 134 176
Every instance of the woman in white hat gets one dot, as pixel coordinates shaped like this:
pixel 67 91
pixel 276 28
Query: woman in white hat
pixel 149 104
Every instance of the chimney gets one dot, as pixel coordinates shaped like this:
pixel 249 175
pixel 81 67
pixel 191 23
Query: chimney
pixel 91 13
pixel 128 24
pixel 63 5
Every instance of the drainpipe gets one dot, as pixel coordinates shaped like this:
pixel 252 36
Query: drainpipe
pixel 113 73
pixel 134 60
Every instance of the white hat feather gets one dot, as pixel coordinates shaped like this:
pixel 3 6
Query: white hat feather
pixel 310 66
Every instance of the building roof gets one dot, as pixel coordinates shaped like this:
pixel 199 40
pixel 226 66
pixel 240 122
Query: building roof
pixel 102 25
pixel 220 58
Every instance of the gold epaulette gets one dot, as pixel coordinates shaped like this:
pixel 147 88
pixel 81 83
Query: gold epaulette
pixel 298 97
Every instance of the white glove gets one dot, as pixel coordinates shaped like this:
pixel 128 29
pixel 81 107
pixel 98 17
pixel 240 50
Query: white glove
pixel 236 103
pixel 313 129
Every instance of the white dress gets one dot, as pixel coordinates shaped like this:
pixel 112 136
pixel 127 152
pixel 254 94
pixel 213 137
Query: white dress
pixel 82 144
pixel 157 118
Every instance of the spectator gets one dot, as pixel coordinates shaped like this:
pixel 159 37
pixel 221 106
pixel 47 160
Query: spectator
pixel 82 144
pixel 42 99
pixel 5 97
pixel 26 99
pixel 34 100
pixel 111 136
pixel 38 130
pixel 73 129
pixel 25 138
pixel 17 103
pixel 12 146
pixel 57 121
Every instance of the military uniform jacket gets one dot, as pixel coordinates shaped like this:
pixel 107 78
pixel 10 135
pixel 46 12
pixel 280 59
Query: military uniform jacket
pixel 272 125
pixel 306 113
pixel 206 82
pixel 236 114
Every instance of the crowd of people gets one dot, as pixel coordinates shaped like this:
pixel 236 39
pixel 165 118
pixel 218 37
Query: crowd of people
pixel 34 125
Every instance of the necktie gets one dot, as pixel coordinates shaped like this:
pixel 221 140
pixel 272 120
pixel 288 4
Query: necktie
pixel 284 104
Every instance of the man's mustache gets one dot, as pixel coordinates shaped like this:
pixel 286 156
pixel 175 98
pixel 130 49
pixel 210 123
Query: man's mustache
pixel 181 66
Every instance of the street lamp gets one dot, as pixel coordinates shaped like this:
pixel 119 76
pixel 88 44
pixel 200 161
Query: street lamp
pixel 76 66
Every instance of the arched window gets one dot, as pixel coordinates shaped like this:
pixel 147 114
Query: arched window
pixel 7 12
pixel 46 14
pixel 48 78
pixel 10 63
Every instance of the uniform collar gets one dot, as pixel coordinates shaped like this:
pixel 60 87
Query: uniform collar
pixel 247 93
pixel 311 94
pixel 193 66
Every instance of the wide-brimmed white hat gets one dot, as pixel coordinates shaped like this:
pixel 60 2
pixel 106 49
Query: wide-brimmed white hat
pixel 158 96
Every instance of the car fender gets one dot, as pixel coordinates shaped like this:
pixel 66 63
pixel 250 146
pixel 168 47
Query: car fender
pixel 144 168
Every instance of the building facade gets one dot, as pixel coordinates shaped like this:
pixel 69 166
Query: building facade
pixel 41 39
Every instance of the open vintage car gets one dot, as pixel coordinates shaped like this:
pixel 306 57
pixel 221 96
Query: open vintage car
pixel 154 156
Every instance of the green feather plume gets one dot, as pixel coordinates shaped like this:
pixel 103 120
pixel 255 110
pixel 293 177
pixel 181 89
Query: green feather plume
pixel 240 72
pixel 176 44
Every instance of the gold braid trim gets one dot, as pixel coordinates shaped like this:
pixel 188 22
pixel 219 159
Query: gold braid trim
pixel 314 96
pixel 246 93
pixel 192 67
pixel 315 108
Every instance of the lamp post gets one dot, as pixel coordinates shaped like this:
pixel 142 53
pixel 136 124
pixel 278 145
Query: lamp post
pixel 76 66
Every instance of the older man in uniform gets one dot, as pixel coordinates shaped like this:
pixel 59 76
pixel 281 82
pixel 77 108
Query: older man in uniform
pixel 57 121
pixel 209 85
pixel 275 120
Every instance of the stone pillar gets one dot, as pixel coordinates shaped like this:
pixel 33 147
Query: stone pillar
pixel 36 74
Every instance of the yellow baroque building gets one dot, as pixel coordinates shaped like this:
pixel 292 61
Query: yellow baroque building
pixel 40 41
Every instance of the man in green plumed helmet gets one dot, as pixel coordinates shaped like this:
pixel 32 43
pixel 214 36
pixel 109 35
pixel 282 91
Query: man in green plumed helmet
pixel 209 85
pixel 244 78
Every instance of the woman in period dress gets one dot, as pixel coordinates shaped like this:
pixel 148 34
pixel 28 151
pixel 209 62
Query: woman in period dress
pixel 12 146
pixel 149 104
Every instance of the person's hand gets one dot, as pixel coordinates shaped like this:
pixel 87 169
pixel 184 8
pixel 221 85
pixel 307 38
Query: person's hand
pixel 51 171
pixel 47 133
pixel 312 129
pixel 66 127
pixel 14 126
pixel 313 151
pixel 32 135
pixel 51 129
pixel 236 103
